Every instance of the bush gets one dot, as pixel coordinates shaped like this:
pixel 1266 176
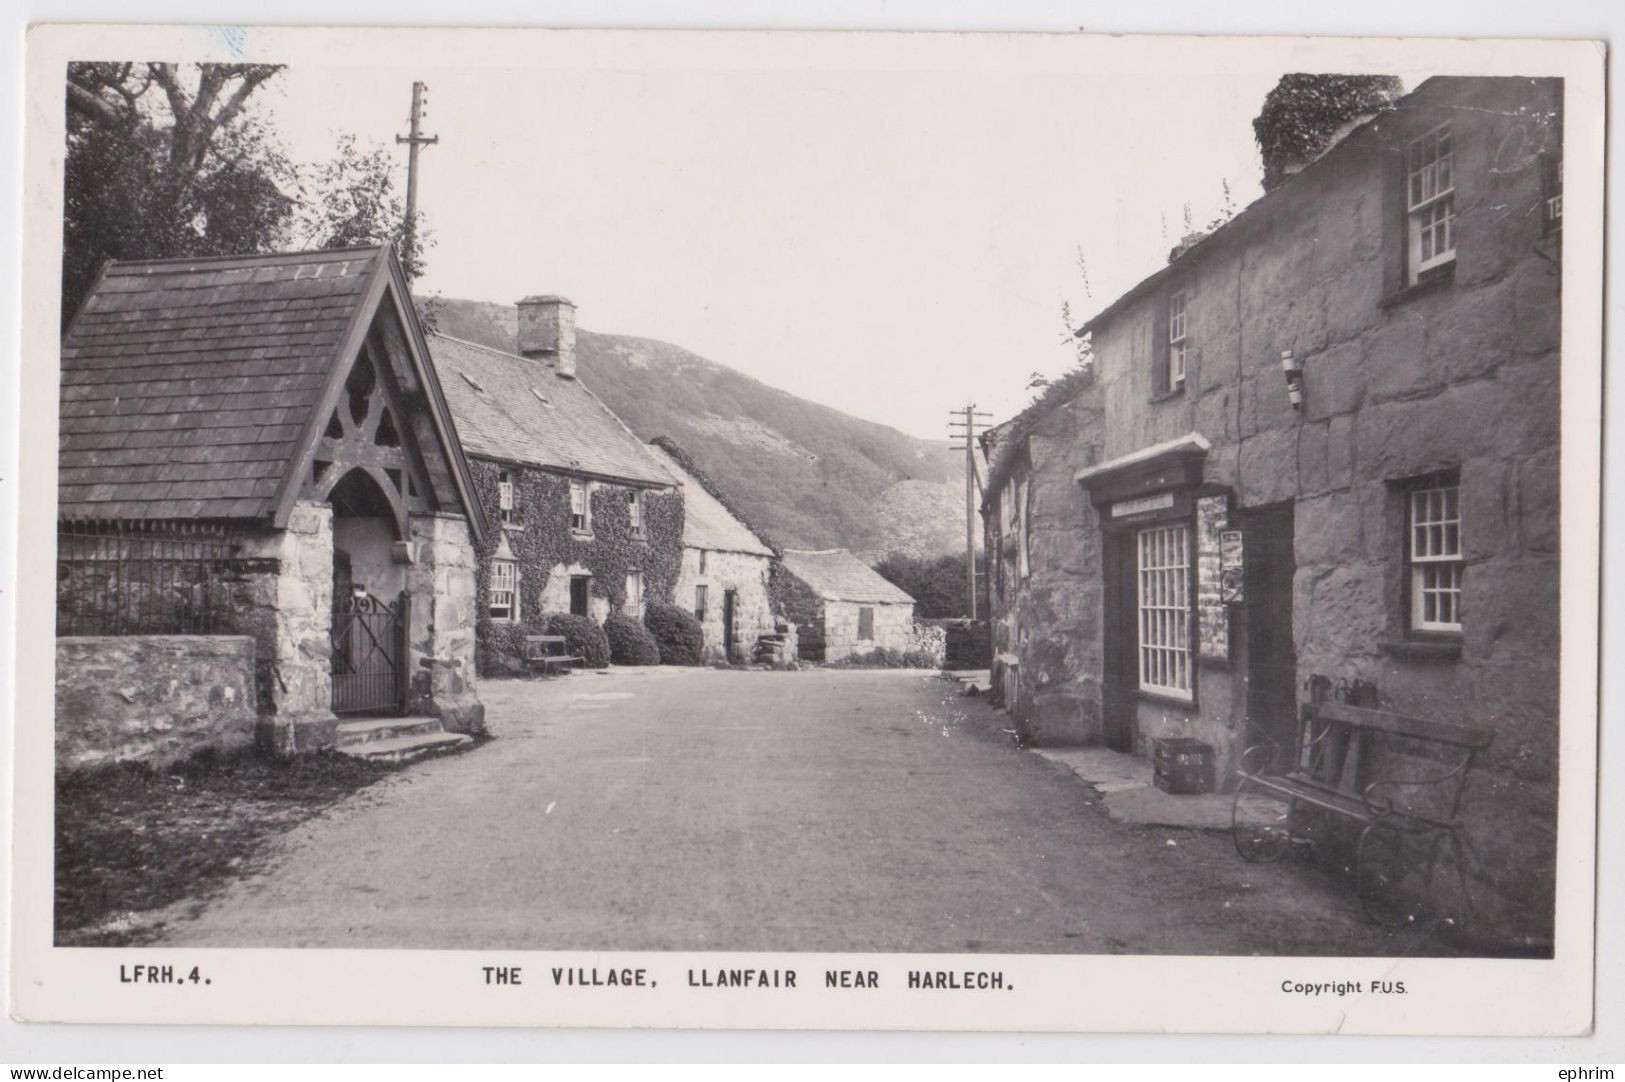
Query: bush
pixel 500 648
pixel 884 657
pixel 677 634
pixel 582 638
pixel 968 646
pixel 630 642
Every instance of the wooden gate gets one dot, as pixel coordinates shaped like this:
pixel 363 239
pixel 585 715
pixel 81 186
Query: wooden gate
pixel 369 652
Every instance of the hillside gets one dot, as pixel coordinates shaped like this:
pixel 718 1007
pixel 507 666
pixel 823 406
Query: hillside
pixel 810 476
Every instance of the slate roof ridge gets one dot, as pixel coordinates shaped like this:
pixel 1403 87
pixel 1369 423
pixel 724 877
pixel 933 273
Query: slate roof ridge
pixel 260 257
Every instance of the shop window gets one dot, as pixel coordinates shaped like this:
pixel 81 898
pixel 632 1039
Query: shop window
pixel 580 508
pixel 504 593
pixel 1430 192
pixel 866 624
pixel 1433 553
pixel 1164 604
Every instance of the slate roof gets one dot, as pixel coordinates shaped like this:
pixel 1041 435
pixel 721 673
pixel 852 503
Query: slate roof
pixel 514 409
pixel 707 524
pixel 837 575
pixel 186 384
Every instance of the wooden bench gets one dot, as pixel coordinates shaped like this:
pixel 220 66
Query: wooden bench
pixel 1399 778
pixel 549 654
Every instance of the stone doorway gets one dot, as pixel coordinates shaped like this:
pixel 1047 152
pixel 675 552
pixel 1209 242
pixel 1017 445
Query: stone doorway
pixel 371 606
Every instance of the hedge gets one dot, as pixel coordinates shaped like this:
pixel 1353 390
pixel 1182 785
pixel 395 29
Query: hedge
pixel 678 635
pixel 630 642
pixel 582 638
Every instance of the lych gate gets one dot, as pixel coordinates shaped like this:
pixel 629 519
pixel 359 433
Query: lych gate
pixel 289 400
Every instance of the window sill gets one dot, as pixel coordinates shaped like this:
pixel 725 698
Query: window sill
pixel 581 535
pixel 1164 699
pixel 1433 648
pixel 1431 280
pixel 1172 392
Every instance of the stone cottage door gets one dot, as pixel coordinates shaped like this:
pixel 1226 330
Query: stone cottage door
pixel 730 603
pixel 1272 665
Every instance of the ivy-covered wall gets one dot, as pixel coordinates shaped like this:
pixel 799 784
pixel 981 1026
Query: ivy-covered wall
pixel 541 539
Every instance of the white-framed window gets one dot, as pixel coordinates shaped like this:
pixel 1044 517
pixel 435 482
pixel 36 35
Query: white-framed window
pixel 1435 556
pixel 580 507
pixel 1178 339
pixel 504 599
pixel 1430 190
pixel 505 503
pixel 634 510
pixel 701 596
pixel 1164 605
pixel 634 592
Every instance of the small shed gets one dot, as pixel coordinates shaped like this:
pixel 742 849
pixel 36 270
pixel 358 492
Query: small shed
pixel 841 606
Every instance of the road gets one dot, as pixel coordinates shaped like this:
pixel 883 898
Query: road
pixel 804 811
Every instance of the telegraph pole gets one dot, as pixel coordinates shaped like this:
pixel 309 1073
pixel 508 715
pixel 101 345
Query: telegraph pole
pixel 415 140
pixel 964 424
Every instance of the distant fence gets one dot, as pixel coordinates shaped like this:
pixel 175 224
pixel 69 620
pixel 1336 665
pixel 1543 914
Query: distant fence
pixel 127 578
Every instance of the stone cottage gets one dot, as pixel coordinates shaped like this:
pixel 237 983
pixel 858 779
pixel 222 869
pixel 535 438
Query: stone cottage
pixel 1318 455
pixel 584 519
pixel 266 521
pixel 841 606
pixel 727 567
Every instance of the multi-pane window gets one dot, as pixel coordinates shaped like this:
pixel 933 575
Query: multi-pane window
pixel 700 598
pixel 1431 199
pixel 634 592
pixel 504 599
pixel 634 510
pixel 1164 609
pixel 1178 340
pixel 505 505
pixel 1435 558
pixel 866 624
pixel 579 518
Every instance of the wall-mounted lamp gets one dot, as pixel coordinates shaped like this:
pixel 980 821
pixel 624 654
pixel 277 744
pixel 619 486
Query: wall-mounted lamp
pixel 1294 378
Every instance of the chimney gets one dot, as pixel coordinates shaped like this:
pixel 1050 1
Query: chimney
pixel 547 332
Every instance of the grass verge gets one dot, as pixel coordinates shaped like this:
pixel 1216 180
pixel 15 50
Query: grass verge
pixel 131 839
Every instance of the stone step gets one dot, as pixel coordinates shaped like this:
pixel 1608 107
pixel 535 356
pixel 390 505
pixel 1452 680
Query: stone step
pixel 373 729
pixel 399 749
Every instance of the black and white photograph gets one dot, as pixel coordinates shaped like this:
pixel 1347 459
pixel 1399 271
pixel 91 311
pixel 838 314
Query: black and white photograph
pixel 743 517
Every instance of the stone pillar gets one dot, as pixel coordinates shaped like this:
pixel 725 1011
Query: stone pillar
pixel 440 640
pixel 296 641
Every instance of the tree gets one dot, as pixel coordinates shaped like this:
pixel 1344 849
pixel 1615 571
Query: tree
pixel 352 200
pixel 937 584
pixel 161 162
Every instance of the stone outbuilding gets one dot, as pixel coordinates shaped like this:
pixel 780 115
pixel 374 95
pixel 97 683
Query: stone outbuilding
pixel 727 567
pixel 257 449
pixel 1316 455
pixel 841 606
pixel 585 520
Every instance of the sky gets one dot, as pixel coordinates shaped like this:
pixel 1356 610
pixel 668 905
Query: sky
pixel 888 229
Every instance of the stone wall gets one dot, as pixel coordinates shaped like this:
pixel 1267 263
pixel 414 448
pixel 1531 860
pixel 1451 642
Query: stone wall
pixel 1459 374
pixel 928 638
pixel 152 699
pixel 441 640
pixel 743 573
pixel 893 629
pixel 292 627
